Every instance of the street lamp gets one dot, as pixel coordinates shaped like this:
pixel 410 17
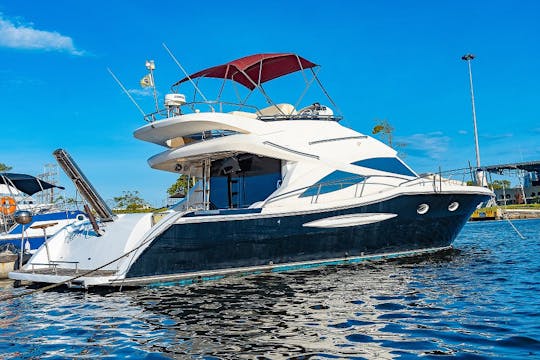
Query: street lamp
pixel 468 58
pixel 480 180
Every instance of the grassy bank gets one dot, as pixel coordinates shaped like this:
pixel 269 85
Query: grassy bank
pixel 522 206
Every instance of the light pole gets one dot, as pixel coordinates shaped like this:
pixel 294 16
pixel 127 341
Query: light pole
pixel 468 58
pixel 480 179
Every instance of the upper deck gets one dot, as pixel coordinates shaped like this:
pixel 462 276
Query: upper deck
pixel 274 112
pixel 250 72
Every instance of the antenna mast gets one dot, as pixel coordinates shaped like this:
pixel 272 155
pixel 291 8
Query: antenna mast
pixel 126 92
pixel 185 73
pixel 150 66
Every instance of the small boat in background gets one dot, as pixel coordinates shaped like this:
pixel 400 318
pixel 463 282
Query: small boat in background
pixel 7 262
pixel 16 192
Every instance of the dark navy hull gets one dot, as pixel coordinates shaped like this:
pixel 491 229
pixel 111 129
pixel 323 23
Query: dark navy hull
pixel 262 240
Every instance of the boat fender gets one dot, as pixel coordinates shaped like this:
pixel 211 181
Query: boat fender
pixel 7 205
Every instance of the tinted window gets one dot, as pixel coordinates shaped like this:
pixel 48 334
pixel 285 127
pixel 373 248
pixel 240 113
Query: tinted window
pixel 392 165
pixel 334 181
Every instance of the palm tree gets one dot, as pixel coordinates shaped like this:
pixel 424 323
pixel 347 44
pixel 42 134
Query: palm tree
pixel 4 167
pixel 385 130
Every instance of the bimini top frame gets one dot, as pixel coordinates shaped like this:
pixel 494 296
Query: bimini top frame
pixel 254 70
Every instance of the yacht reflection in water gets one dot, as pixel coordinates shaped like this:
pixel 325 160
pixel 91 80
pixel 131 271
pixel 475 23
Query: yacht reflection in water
pixel 338 311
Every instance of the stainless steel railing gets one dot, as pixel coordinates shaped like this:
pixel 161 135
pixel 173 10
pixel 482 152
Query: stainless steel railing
pixel 435 181
pixel 226 106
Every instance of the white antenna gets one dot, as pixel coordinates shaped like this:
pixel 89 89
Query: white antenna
pixel 126 92
pixel 184 71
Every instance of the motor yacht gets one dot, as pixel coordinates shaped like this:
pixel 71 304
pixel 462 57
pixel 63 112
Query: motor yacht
pixel 270 188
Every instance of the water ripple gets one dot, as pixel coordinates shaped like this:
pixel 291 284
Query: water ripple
pixel 479 302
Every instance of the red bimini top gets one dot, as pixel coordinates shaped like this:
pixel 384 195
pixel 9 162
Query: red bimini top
pixel 253 70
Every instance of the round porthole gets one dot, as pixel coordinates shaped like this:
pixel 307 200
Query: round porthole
pixel 453 206
pixel 422 209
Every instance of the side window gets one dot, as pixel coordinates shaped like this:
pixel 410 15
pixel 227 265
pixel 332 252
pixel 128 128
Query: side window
pixel 334 181
pixel 392 165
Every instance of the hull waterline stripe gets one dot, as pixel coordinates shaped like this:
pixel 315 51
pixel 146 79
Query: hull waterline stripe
pixel 178 279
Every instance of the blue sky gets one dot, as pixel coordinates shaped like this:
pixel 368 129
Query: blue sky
pixel 394 60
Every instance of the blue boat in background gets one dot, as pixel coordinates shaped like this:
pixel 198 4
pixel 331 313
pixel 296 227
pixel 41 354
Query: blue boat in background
pixel 15 194
pixel 34 234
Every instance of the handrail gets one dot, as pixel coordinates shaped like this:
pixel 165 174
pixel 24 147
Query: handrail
pixel 346 182
pixel 166 113
pixel 54 265
pixel 299 117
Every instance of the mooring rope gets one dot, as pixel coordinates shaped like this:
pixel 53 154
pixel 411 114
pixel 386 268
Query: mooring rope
pixel 505 216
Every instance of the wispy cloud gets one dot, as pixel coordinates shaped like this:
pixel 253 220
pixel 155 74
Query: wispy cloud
pixel 462 132
pixel 496 136
pixel 142 92
pixel 21 36
pixel 11 80
pixel 434 145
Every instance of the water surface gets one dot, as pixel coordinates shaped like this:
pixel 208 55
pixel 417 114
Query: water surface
pixel 481 301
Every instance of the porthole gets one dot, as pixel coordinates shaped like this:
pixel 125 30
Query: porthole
pixel 453 206
pixel 422 209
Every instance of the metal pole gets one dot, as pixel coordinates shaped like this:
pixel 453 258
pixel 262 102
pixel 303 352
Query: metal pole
pixel 21 250
pixel 504 193
pixel 185 73
pixel 46 245
pixel 468 58
pixel 154 88
pixel 151 66
pixel 521 183
pixel 126 92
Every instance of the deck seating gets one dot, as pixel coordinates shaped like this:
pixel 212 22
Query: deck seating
pixel 277 109
pixel 244 114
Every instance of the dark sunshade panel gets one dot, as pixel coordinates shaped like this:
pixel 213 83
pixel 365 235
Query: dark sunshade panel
pixel 254 69
pixel 28 184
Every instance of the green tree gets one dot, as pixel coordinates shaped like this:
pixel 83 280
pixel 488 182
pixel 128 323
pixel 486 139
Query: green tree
pixel 68 201
pixel 130 200
pixel 385 131
pixel 4 167
pixel 181 185
pixel 499 184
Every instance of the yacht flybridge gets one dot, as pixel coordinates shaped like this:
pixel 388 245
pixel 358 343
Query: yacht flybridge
pixel 276 187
